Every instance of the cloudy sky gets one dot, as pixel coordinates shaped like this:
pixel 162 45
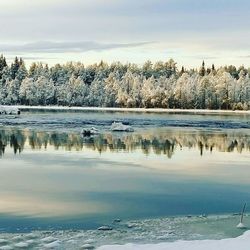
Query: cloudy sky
pixel 126 30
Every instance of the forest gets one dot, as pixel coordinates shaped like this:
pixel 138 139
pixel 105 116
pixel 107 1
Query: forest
pixel 152 85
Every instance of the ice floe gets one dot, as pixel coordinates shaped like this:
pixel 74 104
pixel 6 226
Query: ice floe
pixel 89 132
pixel 87 246
pixel 105 228
pixel 6 248
pixel 22 245
pixel 52 245
pixel 119 126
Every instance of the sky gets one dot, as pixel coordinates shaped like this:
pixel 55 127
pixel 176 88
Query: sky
pixel 189 31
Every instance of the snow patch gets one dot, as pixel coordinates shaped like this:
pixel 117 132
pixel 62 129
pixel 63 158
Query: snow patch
pixel 3 241
pixel 6 248
pixel 48 239
pixel 87 247
pixel 145 110
pixel 89 132
pixel 9 110
pixel 105 228
pixel 54 244
pixel 241 242
pixel 22 245
pixel 118 126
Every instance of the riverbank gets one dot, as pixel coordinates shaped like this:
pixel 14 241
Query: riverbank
pixel 139 110
pixel 216 232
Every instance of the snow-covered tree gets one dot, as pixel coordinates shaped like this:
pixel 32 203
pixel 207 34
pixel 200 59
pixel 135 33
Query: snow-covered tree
pixel 151 85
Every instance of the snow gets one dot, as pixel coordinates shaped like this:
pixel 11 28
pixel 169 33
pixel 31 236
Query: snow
pixel 241 243
pixel 54 244
pixel 91 131
pixel 48 239
pixel 87 246
pixel 6 248
pixel 152 85
pixel 155 234
pixel 9 110
pixel 105 228
pixel 22 245
pixel 149 110
pixel 241 225
pixel 118 126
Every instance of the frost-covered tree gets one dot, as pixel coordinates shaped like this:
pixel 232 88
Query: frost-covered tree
pixel 12 91
pixel 96 94
pixel 45 90
pixel 77 92
pixel 224 86
pixel 111 88
pixel 152 85
pixel 27 92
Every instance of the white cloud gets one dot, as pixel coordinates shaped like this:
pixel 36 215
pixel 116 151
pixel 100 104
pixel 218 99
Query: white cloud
pixel 62 47
pixel 188 26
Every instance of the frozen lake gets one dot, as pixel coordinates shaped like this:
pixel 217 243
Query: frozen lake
pixel 157 180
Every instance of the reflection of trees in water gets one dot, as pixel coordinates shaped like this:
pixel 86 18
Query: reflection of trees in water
pixel 14 139
pixel 159 143
pixel 2 146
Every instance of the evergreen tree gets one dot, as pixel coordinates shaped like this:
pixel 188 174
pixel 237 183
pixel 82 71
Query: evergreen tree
pixel 14 68
pixel 182 70
pixel 125 85
pixel 202 71
pixel 3 64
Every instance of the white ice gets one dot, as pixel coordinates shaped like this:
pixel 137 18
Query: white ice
pixel 118 126
pixel 239 243
pixel 9 110
pixel 151 110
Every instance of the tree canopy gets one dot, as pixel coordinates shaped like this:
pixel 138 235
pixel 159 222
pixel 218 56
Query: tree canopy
pixel 152 85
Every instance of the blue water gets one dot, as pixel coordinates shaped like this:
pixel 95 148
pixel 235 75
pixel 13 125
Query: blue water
pixel 172 165
pixel 102 120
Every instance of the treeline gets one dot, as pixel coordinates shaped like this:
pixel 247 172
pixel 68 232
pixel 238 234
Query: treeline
pixel 159 85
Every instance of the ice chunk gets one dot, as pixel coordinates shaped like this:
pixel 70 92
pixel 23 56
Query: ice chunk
pixel 30 242
pixel 17 238
pixel 5 110
pixel 241 226
pixel 31 236
pixel 51 245
pixel 131 225
pixel 105 228
pixel 3 241
pixel 118 126
pixel 6 248
pixel 89 132
pixel 22 245
pixel 87 246
pixel 89 241
pixel 48 239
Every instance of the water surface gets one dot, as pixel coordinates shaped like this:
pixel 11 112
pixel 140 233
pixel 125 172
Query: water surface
pixel 172 165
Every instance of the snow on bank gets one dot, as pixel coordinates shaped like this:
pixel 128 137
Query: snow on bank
pixel 150 110
pixel 240 243
pixel 9 110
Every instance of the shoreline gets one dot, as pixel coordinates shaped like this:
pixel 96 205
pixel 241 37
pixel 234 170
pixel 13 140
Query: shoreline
pixel 135 110
pixel 131 236
pixel 241 242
